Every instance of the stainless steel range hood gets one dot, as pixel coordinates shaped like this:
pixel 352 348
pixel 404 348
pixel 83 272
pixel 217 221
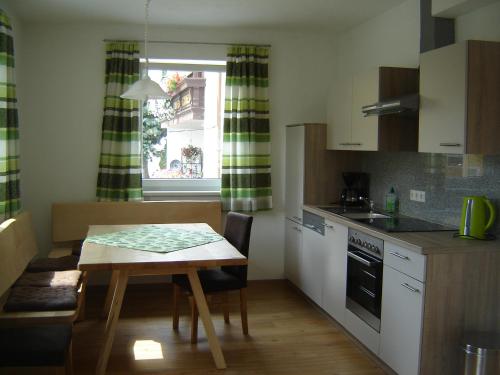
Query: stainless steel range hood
pixel 406 103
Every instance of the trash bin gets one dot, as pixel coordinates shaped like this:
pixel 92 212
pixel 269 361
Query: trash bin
pixel 482 353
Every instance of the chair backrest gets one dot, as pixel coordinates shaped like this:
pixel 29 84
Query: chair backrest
pixel 17 248
pixel 237 233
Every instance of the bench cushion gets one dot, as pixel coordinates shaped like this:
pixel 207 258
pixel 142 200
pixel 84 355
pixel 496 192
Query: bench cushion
pixel 44 345
pixel 31 298
pixel 57 278
pixel 66 263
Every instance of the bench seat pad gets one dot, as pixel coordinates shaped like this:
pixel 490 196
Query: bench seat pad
pixel 66 263
pixel 57 278
pixel 31 298
pixel 44 345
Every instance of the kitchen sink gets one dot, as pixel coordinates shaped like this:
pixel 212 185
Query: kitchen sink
pixel 365 215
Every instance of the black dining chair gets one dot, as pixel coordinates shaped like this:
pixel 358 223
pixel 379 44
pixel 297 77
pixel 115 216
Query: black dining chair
pixel 222 280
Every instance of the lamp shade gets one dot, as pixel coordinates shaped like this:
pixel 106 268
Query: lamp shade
pixel 144 89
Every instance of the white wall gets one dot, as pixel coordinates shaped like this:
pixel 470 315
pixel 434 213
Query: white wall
pixel 63 82
pixel 393 39
pixel 482 24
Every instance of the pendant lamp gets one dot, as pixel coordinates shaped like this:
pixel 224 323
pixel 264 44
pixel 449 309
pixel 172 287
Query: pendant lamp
pixel 145 88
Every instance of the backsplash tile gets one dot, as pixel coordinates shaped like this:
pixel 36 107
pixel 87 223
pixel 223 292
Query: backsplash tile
pixel 446 179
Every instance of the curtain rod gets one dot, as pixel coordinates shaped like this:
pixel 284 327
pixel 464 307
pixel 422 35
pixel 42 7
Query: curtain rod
pixel 186 42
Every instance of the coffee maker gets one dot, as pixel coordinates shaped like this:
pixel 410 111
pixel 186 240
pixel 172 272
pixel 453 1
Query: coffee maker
pixel 357 189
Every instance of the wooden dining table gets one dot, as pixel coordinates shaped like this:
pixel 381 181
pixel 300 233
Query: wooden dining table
pixel 125 262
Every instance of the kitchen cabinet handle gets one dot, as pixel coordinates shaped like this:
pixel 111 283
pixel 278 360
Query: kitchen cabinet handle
pixel 297 229
pixel 445 144
pixel 369 274
pixel 363 289
pixel 329 226
pixel 350 144
pixel 399 255
pixel 409 287
pixel 360 259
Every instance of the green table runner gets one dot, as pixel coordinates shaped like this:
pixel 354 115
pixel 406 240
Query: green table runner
pixel 156 238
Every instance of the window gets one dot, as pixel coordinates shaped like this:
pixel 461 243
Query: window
pixel 182 135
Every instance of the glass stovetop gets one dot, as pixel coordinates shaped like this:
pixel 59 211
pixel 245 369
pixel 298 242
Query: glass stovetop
pixel 405 224
pixel 390 224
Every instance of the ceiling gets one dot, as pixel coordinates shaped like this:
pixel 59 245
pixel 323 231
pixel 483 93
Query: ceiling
pixel 331 15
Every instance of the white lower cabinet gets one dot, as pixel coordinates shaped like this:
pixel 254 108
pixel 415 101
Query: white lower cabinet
pixel 401 324
pixel 335 265
pixel 293 252
pixel 312 264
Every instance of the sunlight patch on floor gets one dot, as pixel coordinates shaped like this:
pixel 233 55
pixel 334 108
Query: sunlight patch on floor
pixel 147 349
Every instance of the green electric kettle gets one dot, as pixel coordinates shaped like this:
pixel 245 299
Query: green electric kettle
pixel 473 224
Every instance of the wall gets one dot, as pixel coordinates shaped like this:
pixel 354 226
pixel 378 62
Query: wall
pixel 63 80
pixel 391 39
pixel 482 24
pixel 438 174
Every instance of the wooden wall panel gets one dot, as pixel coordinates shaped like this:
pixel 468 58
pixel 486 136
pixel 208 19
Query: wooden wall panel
pixel 462 295
pixel 323 168
pixel 483 98
pixel 70 221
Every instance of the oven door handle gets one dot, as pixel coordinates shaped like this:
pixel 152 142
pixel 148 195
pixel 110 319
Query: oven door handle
pixel 361 259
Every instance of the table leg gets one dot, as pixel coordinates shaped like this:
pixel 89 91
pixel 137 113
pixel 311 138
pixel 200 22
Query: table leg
pixel 114 313
pixel 204 313
pixel 109 295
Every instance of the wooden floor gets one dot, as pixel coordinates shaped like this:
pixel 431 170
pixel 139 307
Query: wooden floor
pixel 287 336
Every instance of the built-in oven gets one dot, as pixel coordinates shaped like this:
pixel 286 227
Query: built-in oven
pixel 364 277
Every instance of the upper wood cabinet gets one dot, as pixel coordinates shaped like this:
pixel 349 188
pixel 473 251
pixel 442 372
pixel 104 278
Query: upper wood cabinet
pixel 351 130
pixel 459 96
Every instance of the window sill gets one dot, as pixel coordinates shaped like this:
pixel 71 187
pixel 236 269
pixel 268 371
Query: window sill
pixel 181 195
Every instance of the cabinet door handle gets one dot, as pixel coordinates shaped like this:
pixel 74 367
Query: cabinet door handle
pixel 350 144
pixel 363 289
pixel 446 144
pixel 329 226
pixel 409 287
pixel 297 229
pixel 399 255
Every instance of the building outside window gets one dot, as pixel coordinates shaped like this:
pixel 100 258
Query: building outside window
pixel 182 135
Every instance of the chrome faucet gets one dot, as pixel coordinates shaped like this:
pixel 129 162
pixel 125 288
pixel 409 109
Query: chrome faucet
pixel 369 202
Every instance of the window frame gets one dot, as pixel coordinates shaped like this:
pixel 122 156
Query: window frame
pixel 157 187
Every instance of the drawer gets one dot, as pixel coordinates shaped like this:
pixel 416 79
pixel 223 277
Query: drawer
pixel 404 260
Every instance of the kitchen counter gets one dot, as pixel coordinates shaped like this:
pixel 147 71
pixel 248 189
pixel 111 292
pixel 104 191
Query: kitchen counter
pixel 419 242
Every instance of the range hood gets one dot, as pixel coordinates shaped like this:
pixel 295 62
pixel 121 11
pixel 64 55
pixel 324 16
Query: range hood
pixel 406 103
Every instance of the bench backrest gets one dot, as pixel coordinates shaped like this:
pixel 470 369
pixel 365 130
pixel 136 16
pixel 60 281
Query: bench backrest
pixel 70 221
pixel 17 248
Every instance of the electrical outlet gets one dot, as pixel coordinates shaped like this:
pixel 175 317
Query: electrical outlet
pixel 417 196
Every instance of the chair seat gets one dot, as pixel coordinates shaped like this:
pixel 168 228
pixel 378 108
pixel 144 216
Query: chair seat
pixel 30 298
pixel 212 281
pixel 66 263
pixel 44 345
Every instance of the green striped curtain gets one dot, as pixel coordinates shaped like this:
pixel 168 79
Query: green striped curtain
pixel 10 203
pixel 120 175
pixel 246 159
